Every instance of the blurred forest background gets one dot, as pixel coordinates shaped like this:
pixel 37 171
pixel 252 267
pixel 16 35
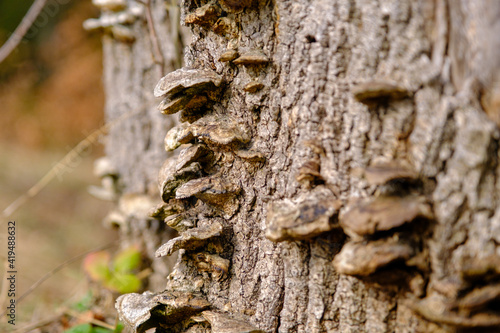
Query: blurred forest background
pixel 51 98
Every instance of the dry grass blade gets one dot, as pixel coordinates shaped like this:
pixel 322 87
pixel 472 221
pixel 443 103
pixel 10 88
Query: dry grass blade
pixel 21 30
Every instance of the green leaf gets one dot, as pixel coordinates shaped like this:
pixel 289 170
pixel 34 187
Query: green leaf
pixel 83 328
pixel 127 260
pixel 84 303
pixel 124 283
pixel 96 265
pixel 119 328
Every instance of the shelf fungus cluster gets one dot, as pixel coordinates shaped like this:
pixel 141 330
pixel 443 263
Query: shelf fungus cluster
pixel 144 311
pixel 308 216
pixel 197 196
pixel 475 303
pixel 116 18
pixel 384 229
pixel 189 90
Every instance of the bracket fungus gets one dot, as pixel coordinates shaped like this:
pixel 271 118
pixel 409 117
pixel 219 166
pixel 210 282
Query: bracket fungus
pixel 363 259
pixel 212 130
pixel 144 311
pixel 229 55
pixel 180 222
pixel 304 218
pixel 187 89
pixel 236 6
pixel 479 298
pixel 253 87
pixel 191 239
pixel 217 266
pixel 214 191
pixel 111 5
pixel 254 57
pixel 205 15
pixel 194 153
pixel 368 216
pixel 436 309
pixel 223 323
pixel 383 172
pixel 376 90
pixel 116 17
pixel 170 178
pixel 163 210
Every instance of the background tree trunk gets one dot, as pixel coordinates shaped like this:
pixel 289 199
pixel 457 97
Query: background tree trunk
pixel 347 83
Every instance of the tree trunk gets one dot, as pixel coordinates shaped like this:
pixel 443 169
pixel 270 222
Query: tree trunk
pixel 343 170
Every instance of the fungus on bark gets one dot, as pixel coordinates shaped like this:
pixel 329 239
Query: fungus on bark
pixel 368 216
pixel 170 178
pixel 214 191
pixel 191 239
pixel 306 217
pixel 363 259
pixel 213 130
pixel 187 89
pixel 254 57
pixel 148 310
pixel 378 90
pixel 204 16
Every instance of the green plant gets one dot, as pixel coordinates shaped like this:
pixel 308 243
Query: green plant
pixel 117 274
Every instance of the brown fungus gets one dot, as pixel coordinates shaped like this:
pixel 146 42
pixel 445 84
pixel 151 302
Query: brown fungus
pixel 191 239
pixel 204 16
pixel 163 210
pixel 253 87
pixel 212 130
pixel 254 57
pixel 484 268
pixel 236 6
pixel 187 89
pixel 178 135
pixel 229 55
pixel 363 259
pixel 368 216
pixel 375 90
pixel 180 222
pixel 306 217
pixel 144 311
pixel 223 323
pixel 215 265
pixel 382 172
pixel 194 153
pixel 435 309
pixel 250 155
pixel 170 178
pixel 188 81
pixel 479 297
pixel 215 191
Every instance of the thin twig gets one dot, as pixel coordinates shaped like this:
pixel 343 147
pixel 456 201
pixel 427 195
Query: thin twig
pixel 157 54
pixel 57 269
pixel 92 321
pixel 21 30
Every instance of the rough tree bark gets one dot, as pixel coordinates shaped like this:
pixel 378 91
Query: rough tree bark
pixel 344 168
